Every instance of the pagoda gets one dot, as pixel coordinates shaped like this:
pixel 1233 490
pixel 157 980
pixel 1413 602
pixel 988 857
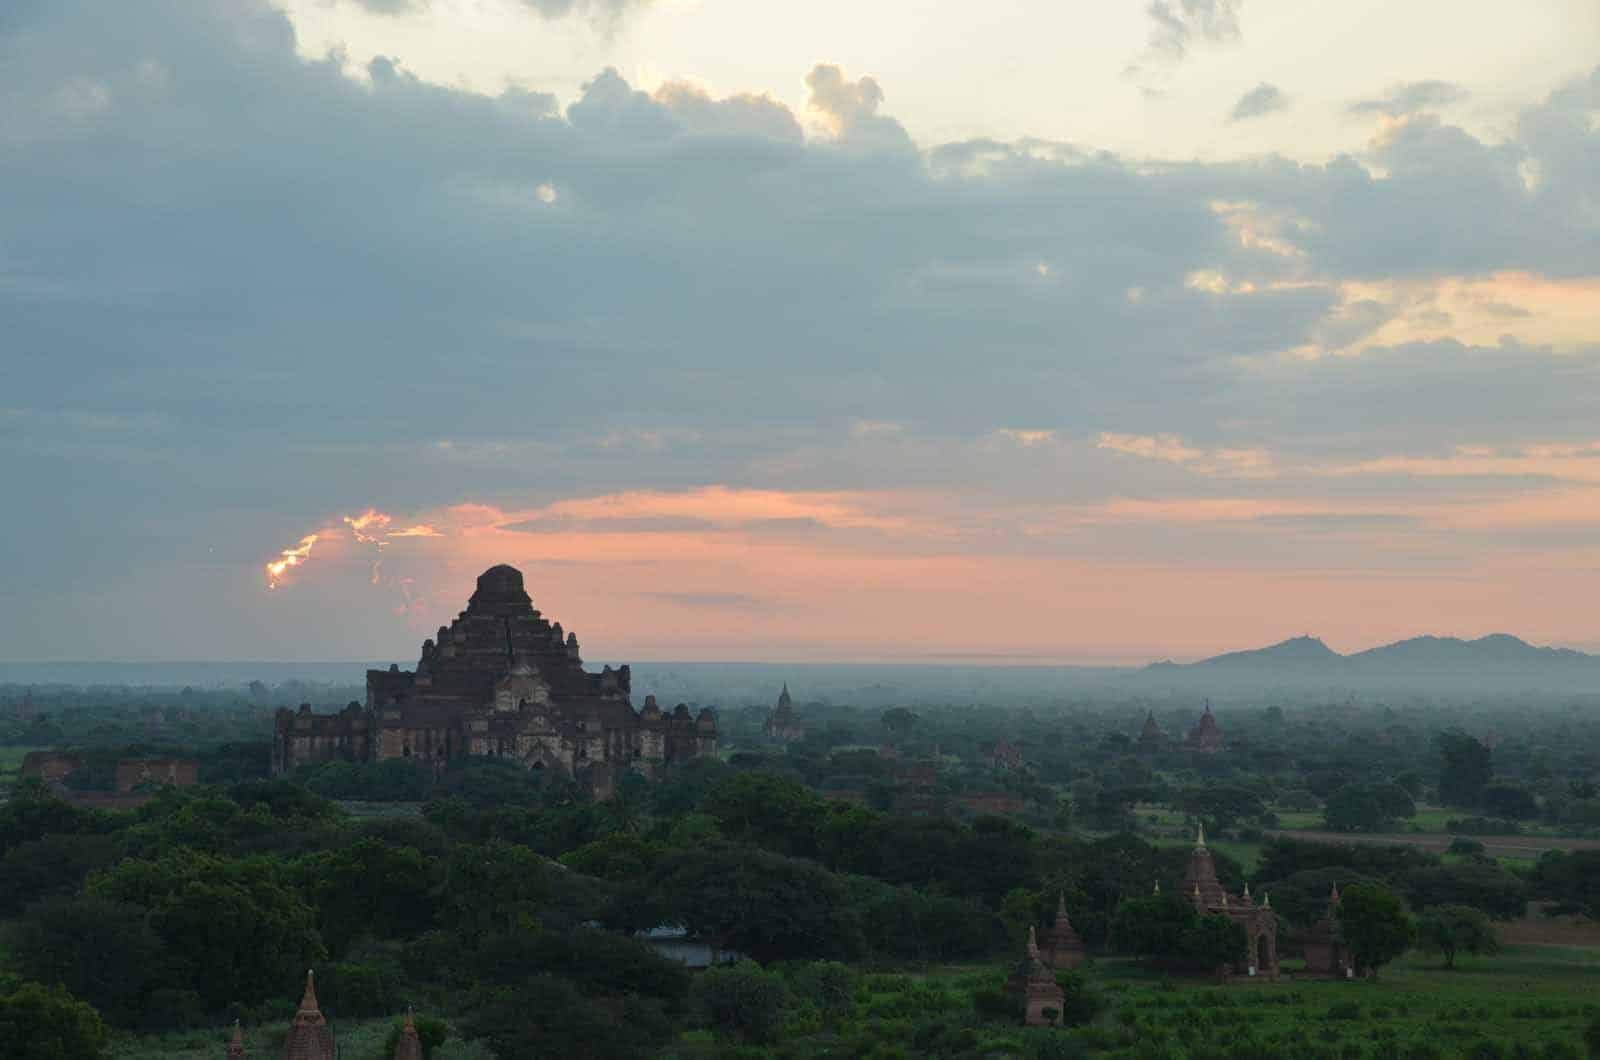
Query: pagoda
pixel 409 1047
pixel 309 1036
pixel 1040 990
pixel 1211 898
pixel 1151 738
pixel 1325 952
pixel 1206 736
pixel 1062 947
pixel 782 724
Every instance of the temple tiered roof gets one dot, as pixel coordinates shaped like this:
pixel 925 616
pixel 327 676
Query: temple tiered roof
pixel 309 1037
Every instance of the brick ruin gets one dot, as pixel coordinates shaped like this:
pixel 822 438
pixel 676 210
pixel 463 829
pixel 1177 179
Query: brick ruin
pixel 1206 736
pixel 782 724
pixel 500 681
pixel 1325 951
pixel 1210 898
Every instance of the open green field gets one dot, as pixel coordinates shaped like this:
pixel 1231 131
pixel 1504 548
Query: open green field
pixel 355 1039
pixel 1529 1001
pixel 11 764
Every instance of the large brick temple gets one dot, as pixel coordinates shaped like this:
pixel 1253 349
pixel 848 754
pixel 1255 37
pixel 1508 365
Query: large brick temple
pixel 500 681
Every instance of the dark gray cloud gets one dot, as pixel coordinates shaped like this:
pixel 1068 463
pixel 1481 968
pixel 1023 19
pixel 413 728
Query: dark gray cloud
pixel 241 291
pixel 1264 99
pixel 1410 98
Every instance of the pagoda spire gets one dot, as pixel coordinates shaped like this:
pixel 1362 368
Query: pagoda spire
pixel 236 1045
pixel 1200 836
pixel 409 1047
pixel 309 1037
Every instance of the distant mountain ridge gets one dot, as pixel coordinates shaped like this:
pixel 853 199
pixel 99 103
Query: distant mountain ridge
pixel 1498 654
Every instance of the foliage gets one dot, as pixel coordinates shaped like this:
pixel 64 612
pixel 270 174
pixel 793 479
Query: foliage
pixel 43 1023
pixel 1464 769
pixel 1374 924
pixel 231 929
pixel 1486 886
pixel 1449 929
pixel 742 999
pixel 100 950
pixel 1367 807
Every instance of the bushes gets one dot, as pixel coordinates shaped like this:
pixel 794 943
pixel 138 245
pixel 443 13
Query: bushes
pixel 41 1023
pixel 742 999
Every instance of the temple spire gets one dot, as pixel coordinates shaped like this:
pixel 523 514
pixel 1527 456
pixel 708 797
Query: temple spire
pixel 236 1045
pixel 308 1001
pixel 1200 836
pixel 1033 943
pixel 409 1046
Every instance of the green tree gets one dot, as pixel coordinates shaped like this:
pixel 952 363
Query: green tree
pixel 1374 925
pixel 1510 802
pixel 768 811
pixel 237 927
pixel 102 951
pixel 45 1023
pixel 742 999
pixel 829 986
pixel 369 887
pixel 1019 912
pixel 764 905
pixel 1497 891
pixel 1464 769
pixel 1221 806
pixel 493 887
pixel 1152 926
pixel 1212 942
pixel 1449 929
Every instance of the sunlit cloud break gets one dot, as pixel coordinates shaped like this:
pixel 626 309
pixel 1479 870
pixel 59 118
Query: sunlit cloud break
pixel 370 528
pixel 290 557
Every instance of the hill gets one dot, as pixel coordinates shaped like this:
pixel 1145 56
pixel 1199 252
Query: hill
pixel 1498 658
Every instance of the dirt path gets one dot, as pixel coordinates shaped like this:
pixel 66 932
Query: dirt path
pixel 1497 846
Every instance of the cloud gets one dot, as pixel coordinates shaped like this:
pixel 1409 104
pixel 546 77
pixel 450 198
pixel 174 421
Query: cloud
pixel 1173 450
pixel 1410 98
pixel 1177 24
pixel 602 11
pixel 268 290
pixel 1264 99
pixel 850 109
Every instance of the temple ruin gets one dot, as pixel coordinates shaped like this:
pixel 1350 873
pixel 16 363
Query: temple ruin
pixel 500 681
pixel 1210 898
pixel 783 725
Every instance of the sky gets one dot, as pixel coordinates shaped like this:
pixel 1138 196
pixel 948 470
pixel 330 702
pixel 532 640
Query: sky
pixel 1017 332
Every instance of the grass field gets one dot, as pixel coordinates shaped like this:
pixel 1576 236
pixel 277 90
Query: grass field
pixel 11 764
pixel 1529 1001
pixel 356 1040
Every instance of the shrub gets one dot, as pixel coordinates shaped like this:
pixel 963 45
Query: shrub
pixel 742 999
pixel 1344 1010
